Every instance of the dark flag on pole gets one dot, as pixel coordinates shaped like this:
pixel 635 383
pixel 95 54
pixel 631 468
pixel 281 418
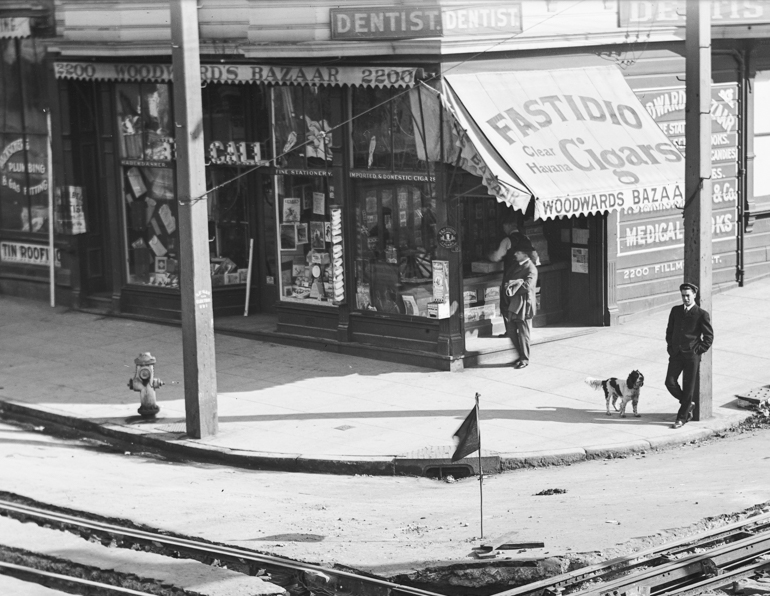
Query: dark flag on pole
pixel 468 439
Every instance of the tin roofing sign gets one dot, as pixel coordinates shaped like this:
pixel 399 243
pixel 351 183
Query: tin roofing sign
pixel 577 138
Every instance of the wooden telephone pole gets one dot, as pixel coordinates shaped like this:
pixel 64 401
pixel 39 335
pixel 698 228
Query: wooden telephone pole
pixel 200 380
pixel 697 188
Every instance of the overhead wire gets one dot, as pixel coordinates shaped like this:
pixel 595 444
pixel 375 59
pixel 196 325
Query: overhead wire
pixel 327 134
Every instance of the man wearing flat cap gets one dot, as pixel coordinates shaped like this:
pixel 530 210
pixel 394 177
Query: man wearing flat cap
pixel 688 335
pixel 517 292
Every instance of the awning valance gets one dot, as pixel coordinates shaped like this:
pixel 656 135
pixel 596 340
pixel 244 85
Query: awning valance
pixel 578 139
pixel 381 76
pixel 14 27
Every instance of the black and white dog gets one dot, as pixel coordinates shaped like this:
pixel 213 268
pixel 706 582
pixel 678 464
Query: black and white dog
pixel 627 391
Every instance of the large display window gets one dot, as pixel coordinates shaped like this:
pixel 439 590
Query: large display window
pixel 236 134
pixel 146 152
pixel 308 217
pixel 395 247
pixel 23 138
pixel 310 235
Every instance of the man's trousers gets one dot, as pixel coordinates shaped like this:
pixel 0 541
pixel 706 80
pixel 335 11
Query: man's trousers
pixel 520 331
pixel 686 365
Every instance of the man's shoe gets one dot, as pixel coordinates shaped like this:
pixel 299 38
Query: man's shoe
pixel 690 412
pixel 678 424
pixel 520 364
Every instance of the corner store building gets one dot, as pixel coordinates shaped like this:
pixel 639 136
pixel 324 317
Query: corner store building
pixel 317 93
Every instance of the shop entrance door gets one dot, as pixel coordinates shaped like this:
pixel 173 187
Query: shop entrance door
pixel 586 276
pixel 88 167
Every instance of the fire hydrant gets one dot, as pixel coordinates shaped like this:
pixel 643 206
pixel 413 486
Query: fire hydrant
pixel 145 382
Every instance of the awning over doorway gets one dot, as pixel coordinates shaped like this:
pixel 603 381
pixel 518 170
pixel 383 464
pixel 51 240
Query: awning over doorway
pixel 578 139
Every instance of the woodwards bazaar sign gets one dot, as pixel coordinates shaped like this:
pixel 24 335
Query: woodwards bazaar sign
pixel 384 76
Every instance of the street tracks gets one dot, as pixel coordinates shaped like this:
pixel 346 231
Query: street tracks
pixel 689 566
pixel 686 567
pixel 286 574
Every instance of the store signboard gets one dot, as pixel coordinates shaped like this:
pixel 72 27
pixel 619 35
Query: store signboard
pixel 668 231
pixel 579 138
pixel 14 27
pixel 405 22
pixel 385 22
pixel 481 19
pixel 22 253
pixel 382 76
pixel 672 13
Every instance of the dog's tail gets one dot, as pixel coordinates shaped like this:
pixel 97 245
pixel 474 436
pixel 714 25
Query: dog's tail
pixel 595 383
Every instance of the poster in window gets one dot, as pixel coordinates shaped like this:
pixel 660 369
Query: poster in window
pixel 579 260
pixel 317 235
pixel 410 305
pixel 371 201
pixel 288 237
pixel 136 182
pixel 319 203
pixel 291 210
pixel 302 235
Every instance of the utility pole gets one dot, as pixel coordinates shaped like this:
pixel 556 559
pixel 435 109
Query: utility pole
pixel 200 376
pixel 697 186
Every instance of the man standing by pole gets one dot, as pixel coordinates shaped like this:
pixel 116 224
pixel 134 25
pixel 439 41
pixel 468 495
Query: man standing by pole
pixel 688 336
pixel 697 206
pixel 200 380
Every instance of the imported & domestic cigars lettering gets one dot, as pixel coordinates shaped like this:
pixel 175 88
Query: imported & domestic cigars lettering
pixel 389 176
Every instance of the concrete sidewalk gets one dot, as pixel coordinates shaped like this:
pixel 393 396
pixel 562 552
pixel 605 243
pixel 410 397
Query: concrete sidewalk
pixel 299 409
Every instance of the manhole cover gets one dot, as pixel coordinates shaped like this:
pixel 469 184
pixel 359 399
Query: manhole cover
pixel 344 427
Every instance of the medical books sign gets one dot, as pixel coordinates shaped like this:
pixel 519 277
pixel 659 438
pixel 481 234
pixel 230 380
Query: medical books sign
pixel 405 22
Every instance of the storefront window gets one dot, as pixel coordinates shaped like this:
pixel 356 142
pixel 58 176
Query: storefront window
pixel 303 119
pixel 151 217
pixel 146 152
pixel 384 125
pixel 228 227
pixel 310 240
pixel 23 138
pixel 232 151
pixel 396 242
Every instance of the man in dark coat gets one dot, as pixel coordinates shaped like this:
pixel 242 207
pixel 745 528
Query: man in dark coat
pixel 517 298
pixel 688 335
